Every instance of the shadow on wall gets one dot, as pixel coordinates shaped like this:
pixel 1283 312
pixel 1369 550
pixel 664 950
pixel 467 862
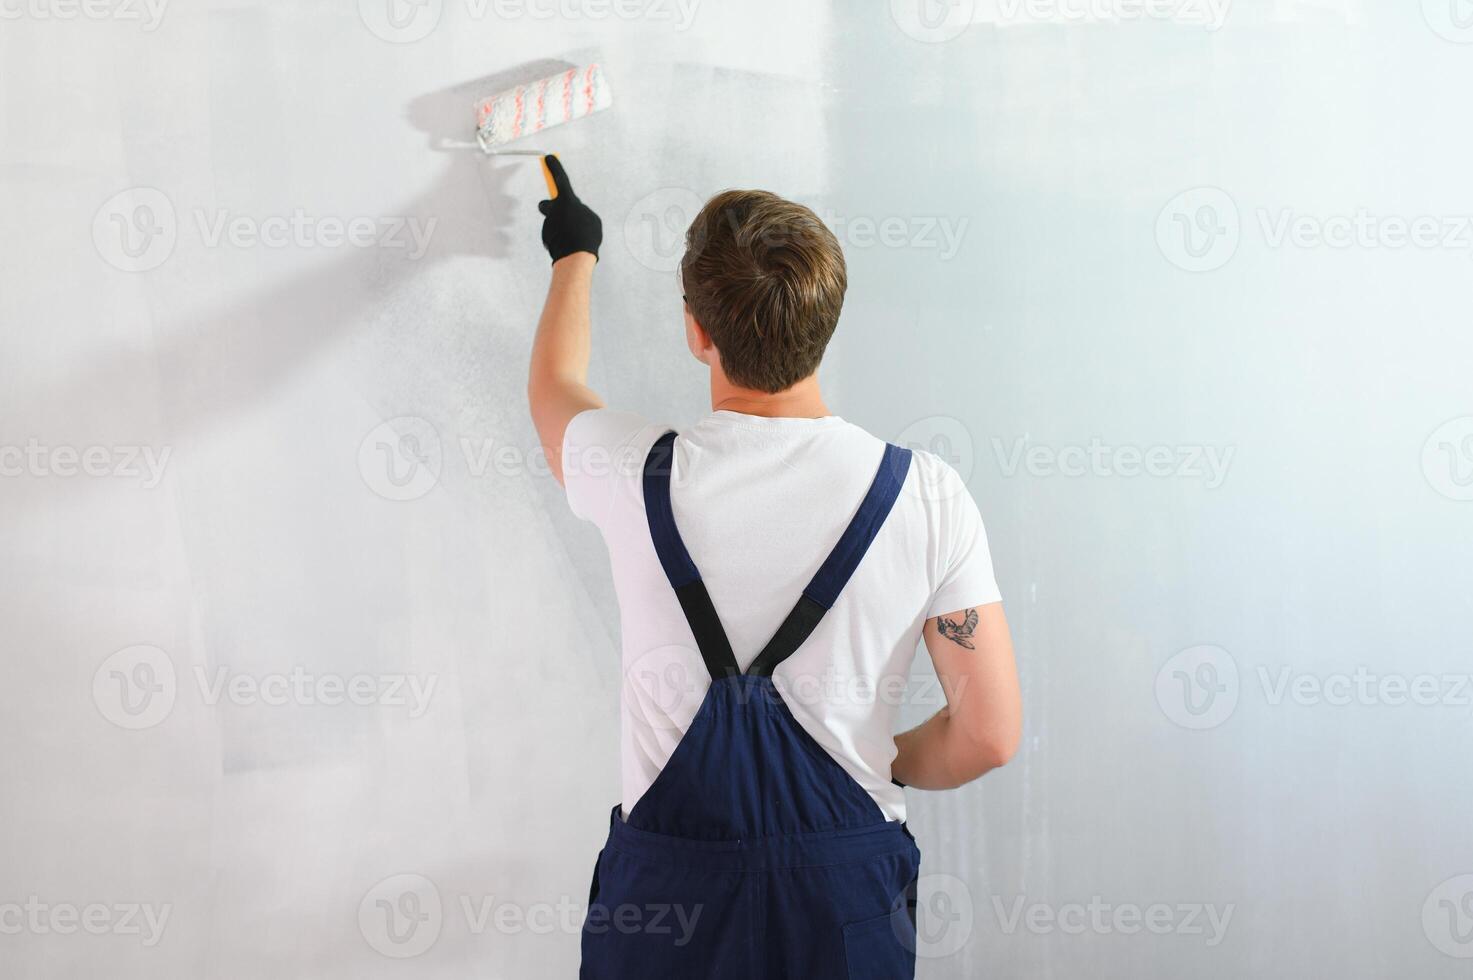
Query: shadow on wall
pixel 212 363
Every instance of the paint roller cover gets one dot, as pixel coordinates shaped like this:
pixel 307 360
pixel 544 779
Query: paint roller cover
pixel 530 108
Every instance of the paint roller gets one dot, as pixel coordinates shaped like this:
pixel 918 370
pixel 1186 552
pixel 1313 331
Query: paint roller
pixel 531 108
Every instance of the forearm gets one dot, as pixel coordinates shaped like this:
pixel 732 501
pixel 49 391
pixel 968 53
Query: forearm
pixel 557 380
pixel 937 754
pixel 563 341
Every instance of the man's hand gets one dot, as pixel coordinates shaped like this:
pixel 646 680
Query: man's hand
pixel 570 225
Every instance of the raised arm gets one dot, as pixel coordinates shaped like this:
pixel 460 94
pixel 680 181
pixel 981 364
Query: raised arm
pixel 982 723
pixel 557 381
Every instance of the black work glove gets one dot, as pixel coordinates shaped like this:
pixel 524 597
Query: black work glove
pixel 570 225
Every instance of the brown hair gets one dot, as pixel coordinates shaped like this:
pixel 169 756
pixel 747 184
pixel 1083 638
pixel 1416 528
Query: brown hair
pixel 766 280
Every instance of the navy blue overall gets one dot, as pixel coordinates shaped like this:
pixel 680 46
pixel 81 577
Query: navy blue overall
pixel 754 855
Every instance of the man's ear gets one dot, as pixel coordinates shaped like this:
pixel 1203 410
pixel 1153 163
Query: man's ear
pixel 698 340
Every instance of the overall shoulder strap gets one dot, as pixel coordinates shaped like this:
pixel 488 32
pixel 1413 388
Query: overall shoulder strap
pixel 823 590
pixel 684 578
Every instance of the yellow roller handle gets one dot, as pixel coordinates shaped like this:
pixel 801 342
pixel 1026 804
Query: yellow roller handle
pixel 547 176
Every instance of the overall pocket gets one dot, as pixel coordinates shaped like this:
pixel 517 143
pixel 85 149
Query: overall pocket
pixel 882 948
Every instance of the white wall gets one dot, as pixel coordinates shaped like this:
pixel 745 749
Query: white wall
pixel 1034 304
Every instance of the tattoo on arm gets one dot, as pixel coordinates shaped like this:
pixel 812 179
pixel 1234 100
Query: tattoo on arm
pixel 959 631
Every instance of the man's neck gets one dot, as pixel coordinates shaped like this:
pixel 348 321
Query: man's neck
pixel 802 401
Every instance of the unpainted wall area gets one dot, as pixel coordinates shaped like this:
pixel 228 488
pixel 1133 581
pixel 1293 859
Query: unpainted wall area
pixel 311 674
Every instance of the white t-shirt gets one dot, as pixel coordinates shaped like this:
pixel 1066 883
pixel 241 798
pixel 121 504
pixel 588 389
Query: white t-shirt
pixel 759 503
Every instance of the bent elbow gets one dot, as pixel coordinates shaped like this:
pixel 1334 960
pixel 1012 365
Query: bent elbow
pixel 988 752
pixel 999 752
